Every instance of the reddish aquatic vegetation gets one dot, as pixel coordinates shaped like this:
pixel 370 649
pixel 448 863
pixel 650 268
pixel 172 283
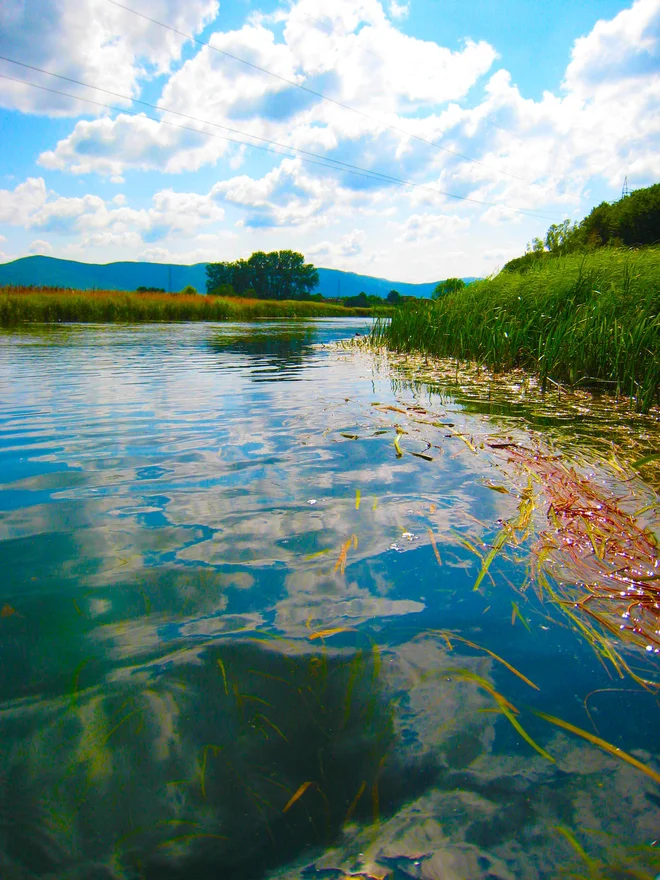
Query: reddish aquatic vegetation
pixel 605 562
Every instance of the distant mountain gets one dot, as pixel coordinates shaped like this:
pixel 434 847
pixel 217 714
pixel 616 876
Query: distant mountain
pixel 51 272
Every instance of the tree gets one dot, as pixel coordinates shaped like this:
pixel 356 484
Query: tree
pixel 273 275
pixel 394 298
pixel 633 221
pixel 450 285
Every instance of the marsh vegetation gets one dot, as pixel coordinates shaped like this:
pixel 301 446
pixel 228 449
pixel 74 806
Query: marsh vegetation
pixel 584 319
pixel 43 305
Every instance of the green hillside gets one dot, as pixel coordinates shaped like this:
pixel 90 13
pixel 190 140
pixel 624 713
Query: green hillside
pixel 51 272
pixel 633 221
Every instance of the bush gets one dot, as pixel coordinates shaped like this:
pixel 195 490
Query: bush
pixel 189 290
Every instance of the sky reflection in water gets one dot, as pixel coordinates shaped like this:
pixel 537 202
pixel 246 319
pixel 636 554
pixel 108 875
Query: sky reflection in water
pixel 218 585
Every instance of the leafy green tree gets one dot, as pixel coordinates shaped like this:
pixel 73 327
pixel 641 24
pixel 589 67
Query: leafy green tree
pixel 394 298
pixel 361 301
pixel 633 221
pixel 188 290
pixel 274 275
pixel 450 285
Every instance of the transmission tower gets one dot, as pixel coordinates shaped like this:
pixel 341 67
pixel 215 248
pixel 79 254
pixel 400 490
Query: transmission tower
pixel 625 191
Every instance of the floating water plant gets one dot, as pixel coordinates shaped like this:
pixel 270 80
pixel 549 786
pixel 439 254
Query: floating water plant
pixel 605 563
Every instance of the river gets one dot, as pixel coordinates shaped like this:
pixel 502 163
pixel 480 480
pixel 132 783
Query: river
pixel 256 622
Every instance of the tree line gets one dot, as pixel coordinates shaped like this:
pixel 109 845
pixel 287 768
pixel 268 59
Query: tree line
pixel 632 221
pixel 275 275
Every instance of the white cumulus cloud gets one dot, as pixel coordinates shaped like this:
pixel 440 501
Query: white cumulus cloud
pixel 93 41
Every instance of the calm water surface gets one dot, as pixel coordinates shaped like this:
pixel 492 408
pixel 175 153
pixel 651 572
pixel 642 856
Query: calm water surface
pixel 226 556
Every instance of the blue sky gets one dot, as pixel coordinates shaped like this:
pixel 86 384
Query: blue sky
pixel 530 112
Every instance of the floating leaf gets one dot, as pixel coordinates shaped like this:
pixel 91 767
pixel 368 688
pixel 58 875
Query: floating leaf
pixel 573 842
pixel 357 499
pixel 7 611
pixel 514 721
pixel 340 564
pixel 272 725
pixel 422 455
pixel 498 544
pixel 318 553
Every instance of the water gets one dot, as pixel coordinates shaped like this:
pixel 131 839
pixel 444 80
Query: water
pixel 220 647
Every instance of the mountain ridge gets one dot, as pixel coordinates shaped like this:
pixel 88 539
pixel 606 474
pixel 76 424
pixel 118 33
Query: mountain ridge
pixel 42 271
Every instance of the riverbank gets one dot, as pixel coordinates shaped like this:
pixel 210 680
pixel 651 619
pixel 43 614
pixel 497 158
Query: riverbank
pixel 51 305
pixel 590 320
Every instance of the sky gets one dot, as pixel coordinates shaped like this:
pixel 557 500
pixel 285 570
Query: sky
pixel 407 139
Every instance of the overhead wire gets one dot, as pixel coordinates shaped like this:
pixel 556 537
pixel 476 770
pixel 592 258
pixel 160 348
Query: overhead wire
pixel 334 101
pixel 306 155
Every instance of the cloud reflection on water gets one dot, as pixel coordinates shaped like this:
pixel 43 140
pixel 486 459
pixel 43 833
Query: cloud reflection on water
pixel 162 519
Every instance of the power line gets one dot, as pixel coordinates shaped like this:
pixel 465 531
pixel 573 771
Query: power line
pixel 335 102
pixel 316 159
pixel 370 175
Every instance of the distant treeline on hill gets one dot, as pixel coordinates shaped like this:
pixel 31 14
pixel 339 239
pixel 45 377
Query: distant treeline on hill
pixel 40 271
pixel 633 221
pixel 280 275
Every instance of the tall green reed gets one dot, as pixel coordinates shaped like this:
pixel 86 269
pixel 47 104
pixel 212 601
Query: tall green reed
pixel 591 320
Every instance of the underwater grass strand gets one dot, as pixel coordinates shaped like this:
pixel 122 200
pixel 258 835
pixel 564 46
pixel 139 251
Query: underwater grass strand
pixel 601 743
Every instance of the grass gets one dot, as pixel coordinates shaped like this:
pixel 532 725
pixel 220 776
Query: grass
pixel 51 305
pixel 584 319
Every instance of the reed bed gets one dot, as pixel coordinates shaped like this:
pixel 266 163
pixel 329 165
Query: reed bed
pixel 52 305
pixel 589 320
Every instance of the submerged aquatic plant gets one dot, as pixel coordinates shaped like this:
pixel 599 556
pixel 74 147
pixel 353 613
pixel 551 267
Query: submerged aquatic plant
pixel 605 564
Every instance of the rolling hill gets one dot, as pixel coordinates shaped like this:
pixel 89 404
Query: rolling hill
pixel 53 272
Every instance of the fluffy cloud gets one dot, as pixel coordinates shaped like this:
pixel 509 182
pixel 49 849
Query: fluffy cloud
pixel 286 196
pixel 617 51
pixel 104 45
pixel 17 206
pixel 98 223
pixel 340 251
pixel 419 227
pixel 356 56
pixel 361 60
pixel 109 146
pixel 39 246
